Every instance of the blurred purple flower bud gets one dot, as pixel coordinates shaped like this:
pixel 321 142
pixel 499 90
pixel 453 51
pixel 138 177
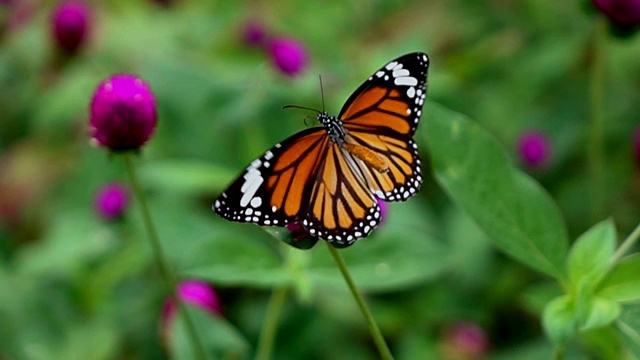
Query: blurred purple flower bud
pixel 299 237
pixel 466 340
pixel 254 33
pixel 623 13
pixel 288 55
pixel 534 148
pixel 71 25
pixel 384 210
pixel 111 201
pixel 123 113
pixel 193 292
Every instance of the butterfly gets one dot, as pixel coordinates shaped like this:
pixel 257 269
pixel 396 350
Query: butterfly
pixel 329 177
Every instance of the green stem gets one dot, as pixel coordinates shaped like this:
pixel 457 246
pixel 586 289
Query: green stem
pixel 161 260
pixel 383 349
pixel 596 128
pixel 558 353
pixel 626 245
pixel 270 325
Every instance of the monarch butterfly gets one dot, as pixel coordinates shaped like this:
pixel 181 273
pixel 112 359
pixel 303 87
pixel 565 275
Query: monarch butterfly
pixel 328 177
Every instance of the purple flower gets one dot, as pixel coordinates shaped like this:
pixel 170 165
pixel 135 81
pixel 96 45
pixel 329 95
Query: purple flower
pixel 384 210
pixel 111 201
pixel 623 13
pixel 299 237
pixel 466 340
pixel 123 113
pixel 254 33
pixel 288 55
pixel 70 25
pixel 534 148
pixel 193 292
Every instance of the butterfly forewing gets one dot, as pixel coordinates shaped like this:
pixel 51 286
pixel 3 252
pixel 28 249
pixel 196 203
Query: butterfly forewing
pixel 383 114
pixel 274 189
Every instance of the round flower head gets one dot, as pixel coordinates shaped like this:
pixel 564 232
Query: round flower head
pixel 254 33
pixel 299 237
pixel 111 201
pixel 623 13
pixel 288 55
pixel 123 113
pixel 384 210
pixel 466 340
pixel 194 292
pixel 70 25
pixel 534 148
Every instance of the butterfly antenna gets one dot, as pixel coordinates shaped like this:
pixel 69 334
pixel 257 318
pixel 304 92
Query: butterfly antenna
pixel 300 107
pixel 321 91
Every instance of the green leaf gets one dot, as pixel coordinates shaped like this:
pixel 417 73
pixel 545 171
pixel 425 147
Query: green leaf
pixel 185 176
pixel 622 283
pixel 590 255
pixel 238 260
pixel 559 319
pixel 602 312
pixel 629 327
pixel 515 212
pixel 399 255
pixel 217 336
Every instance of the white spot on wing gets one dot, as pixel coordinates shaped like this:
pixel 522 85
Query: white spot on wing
pixel 256 202
pixel 406 81
pixel 252 181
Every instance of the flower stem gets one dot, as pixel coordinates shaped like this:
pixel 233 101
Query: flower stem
pixel 626 245
pixel 596 131
pixel 270 325
pixel 161 260
pixel 558 353
pixel 383 349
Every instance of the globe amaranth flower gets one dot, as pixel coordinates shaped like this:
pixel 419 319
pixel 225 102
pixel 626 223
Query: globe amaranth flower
pixel 193 292
pixel 111 201
pixel 298 236
pixel 465 340
pixel 254 33
pixel 288 55
pixel 71 24
pixel 622 13
pixel 123 113
pixel 534 148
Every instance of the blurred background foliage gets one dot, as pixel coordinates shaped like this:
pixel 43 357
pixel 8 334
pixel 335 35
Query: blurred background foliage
pixel 74 285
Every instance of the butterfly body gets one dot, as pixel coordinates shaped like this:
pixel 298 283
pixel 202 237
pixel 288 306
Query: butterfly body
pixel 329 178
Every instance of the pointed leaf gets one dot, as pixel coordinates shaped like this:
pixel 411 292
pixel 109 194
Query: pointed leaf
pixel 590 255
pixel 515 212
pixel 602 312
pixel 559 319
pixel 623 282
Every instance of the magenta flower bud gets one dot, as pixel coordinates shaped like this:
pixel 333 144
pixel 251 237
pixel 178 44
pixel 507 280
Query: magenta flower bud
pixel 623 13
pixel 299 237
pixel 254 33
pixel 70 25
pixel 466 340
pixel 193 292
pixel 111 201
pixel 534 148
pixel 384 210
pixel 288 55
pixel 123 113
